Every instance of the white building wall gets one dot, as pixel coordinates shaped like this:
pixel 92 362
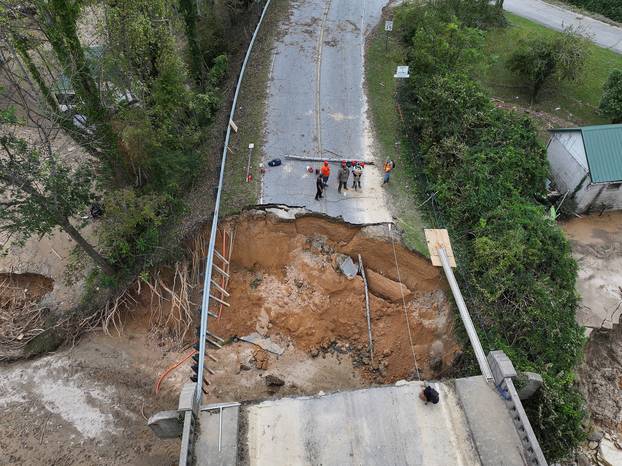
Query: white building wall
pixel 569 167
pixel 603 195
pixel 567 172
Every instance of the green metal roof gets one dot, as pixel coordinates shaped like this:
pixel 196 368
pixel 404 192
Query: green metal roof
pixel 603 148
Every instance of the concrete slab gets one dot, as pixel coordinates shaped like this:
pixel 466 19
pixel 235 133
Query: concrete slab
pixel 384 425
pixel 207 445
pixel 490 424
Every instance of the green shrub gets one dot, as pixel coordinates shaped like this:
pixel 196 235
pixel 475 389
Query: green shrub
pixel 443 106
pixel 488 171
pixel 130 226
pixel 610 8
pixel 541 59
pixel 611 102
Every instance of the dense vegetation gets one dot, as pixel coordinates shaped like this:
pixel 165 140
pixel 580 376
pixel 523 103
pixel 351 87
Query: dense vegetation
pixel 574 100
pixel 488 172
pixel 611 102
pixel 540 59
pixel 135 83
pixel 609 8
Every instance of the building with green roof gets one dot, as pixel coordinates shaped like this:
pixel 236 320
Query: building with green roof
pixel 586 166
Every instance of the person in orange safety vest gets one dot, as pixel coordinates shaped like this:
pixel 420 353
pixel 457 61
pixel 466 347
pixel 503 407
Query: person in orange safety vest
pixel 325 172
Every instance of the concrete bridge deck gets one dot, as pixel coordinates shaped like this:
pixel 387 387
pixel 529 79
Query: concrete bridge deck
pixel 385 426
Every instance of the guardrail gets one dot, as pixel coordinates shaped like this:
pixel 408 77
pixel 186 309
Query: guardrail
pixel 187 440
pixel 523 426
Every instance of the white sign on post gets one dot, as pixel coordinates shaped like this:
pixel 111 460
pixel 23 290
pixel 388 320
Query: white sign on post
pixel 388 26
pixel 402 72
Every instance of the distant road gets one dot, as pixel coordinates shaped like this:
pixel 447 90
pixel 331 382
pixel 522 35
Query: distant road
pixel 317 108
pixel 557 18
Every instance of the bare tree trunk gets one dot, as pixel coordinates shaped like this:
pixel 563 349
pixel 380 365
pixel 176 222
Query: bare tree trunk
pixel 86 246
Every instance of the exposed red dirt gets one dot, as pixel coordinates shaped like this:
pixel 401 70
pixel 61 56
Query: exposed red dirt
pixel 286 285
pixel 29 286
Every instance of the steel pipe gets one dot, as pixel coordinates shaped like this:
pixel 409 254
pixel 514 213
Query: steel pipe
pixel 466 317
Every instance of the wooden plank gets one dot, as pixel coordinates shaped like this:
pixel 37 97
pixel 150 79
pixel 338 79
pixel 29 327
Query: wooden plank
pixel 437 239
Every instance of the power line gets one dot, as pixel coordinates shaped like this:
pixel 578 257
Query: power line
pixel 399 279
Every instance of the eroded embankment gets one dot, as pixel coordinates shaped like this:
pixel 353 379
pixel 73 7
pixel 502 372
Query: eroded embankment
pixel 286 285
pixel 21 314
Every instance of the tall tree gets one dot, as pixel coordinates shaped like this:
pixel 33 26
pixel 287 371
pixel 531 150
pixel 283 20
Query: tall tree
pixel 197 63
pixel 40 192
pixel 30 27
pixel 540 59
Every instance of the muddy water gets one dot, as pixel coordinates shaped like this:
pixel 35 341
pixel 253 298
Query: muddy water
pixel 596 242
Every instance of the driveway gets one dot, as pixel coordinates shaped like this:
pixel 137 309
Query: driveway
pixel 317 108
pixel 558 18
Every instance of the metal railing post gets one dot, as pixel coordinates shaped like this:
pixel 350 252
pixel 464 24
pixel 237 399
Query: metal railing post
pixel 198 396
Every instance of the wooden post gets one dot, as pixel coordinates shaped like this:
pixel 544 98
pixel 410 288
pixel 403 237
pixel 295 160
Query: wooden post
pixel 367 313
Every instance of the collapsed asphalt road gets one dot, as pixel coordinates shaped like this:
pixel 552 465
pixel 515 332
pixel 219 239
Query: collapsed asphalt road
pixel 317 108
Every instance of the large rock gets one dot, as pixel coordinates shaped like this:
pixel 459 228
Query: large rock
pixel 386 288
pixel 609 454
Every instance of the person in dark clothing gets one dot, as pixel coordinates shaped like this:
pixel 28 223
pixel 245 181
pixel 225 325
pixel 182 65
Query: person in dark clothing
pixel 319 184
pixel 429 395
pixel 356 176
pixel 344 174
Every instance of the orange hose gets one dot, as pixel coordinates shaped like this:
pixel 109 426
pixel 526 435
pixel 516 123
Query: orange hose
pixel 171 368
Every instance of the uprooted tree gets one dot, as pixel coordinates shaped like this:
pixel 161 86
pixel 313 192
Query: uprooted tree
pixel 40 192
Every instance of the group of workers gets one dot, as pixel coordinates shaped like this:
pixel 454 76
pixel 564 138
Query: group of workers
pixel 343 176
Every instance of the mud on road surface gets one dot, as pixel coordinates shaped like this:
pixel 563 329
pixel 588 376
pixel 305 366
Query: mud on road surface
pixel 88 405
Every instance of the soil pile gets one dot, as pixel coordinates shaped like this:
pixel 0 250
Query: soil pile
pixel 21 314
pixel 286 285
pixel 601 378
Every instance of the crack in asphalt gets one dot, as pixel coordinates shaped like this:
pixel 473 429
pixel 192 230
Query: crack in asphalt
pixel 318 79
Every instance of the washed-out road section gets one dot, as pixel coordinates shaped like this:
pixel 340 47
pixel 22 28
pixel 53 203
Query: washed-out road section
pixel 317 108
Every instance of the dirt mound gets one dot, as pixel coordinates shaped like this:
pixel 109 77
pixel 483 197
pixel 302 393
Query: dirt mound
pixel 29 286
pixel 21 314
pixel 286 285
pixel 601 378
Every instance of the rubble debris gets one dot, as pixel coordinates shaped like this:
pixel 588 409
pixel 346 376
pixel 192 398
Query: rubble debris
pixel 272 380
pixel 263 342
pixel 346 265
pixel 261 359
pixel 609 452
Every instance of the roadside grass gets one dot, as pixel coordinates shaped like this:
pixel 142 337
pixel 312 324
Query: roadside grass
pixel 380 65
pixel 250 118
pixel 573 101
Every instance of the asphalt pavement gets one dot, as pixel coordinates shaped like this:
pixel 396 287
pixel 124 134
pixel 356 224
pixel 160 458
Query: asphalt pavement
pixel 317 108
pixel 317 105
pixel 558 18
